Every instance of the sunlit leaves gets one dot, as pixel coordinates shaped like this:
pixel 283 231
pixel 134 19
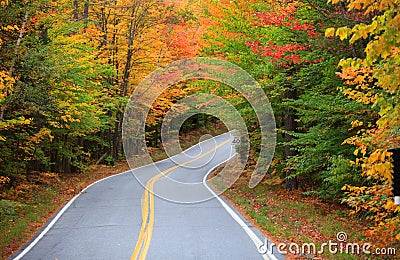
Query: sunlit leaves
pixel 374 80
pixel 330 32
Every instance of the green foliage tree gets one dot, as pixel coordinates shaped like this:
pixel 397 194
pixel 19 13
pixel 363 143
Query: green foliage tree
pixel 282 45
pixel 57 100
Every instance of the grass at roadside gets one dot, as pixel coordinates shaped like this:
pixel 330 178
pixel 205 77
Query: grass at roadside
pixel 290 217
pixel 25 208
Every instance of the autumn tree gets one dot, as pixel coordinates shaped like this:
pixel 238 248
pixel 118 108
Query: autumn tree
pixel 137 37
pixel 67 70
pixel 372 79
pixel 56 96
pixel 283 46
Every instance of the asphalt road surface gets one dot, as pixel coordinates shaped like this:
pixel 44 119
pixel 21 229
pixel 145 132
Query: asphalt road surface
pixel 117 218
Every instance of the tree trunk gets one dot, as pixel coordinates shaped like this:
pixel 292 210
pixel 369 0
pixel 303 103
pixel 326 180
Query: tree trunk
pixel 10 72
pixel 290 125
pixel 124 84
pixel 117 138
pixel 86 11
pixel 76 10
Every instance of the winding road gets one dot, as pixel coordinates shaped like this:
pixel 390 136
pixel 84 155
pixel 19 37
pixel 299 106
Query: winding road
pixel 117 218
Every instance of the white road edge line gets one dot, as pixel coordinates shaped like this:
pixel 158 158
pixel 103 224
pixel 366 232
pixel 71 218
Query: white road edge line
pixel 58 216
pixel 66 206
pixel 256 240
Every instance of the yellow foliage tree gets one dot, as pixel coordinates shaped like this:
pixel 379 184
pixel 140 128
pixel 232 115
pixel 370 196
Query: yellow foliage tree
pixel 7 81
pixel 374 79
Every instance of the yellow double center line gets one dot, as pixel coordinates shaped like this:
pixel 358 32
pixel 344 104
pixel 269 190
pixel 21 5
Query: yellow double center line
pixel 146 230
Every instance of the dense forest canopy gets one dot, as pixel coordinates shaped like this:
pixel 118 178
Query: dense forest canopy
pixel 330 70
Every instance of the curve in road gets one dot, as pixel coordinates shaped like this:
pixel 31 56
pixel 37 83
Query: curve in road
pixel 108 218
